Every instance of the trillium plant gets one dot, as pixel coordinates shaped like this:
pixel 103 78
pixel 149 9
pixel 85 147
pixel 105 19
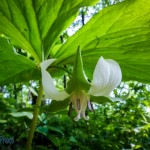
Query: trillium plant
pixel 106 77
pixel 33 29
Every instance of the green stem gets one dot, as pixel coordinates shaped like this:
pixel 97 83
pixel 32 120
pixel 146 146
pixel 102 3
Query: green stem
pixel 35 118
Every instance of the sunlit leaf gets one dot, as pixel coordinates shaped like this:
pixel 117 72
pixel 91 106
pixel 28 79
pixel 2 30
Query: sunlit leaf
pixel 14 67
pixel 33 26
pixel 120 32
pixel 22 114
pixel 36 25
pixel 3 121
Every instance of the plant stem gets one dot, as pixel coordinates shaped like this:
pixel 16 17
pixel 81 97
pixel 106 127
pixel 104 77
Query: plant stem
pixel 35 118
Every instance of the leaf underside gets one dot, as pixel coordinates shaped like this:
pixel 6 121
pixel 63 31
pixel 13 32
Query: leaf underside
pixel 14 67
pixel 120 32
pixel 33 26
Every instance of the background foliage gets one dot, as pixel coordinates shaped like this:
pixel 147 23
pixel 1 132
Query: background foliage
pixel 124 125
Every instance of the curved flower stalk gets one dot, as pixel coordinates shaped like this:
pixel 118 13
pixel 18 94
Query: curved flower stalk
pixel 106 77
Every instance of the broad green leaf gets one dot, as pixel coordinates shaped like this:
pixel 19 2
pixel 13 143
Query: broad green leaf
pixel 55 129
pixel 14 67
pixel 18 23
pixel 3 121
pixel 17 68
pixel 35 25
pixel 45 130
pixel 120 32
pixel 73 139
pixel 79 80
pixel 59 14
pixel 7 105
pixel 22 114
pixel 137 146
pixel 55 140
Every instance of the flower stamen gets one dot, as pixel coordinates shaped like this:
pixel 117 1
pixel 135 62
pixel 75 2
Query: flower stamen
pixel 90 105
pixel 78 104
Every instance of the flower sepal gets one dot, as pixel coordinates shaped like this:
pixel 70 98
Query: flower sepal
pixel 79 80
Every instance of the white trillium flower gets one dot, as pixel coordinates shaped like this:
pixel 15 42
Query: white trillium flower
pixel 107 76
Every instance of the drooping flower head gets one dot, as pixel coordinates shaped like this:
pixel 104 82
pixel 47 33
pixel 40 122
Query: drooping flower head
pixel 106 77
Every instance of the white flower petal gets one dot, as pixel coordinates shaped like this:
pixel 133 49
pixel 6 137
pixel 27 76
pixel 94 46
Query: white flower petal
pixel 107 76
pixel 48 85
pixel 115 77
pixel 100 77
pixel 45 64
